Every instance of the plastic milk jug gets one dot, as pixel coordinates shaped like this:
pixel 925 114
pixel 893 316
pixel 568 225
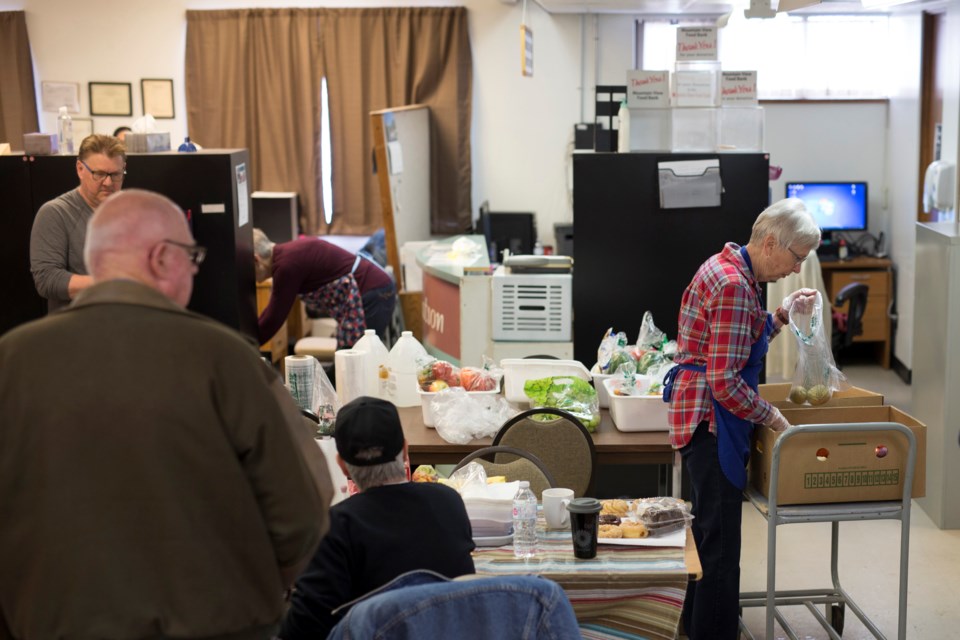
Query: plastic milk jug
pixel 401 383
pixel 377 354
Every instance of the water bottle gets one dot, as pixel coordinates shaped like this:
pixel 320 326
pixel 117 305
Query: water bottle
pixel 187 146
pixel 377 352
pixel 524 522
pixel 65 132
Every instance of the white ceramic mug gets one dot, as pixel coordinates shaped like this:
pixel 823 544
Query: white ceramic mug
pixel 555 503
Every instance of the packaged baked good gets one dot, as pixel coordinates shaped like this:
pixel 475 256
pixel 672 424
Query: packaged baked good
pixel 662 515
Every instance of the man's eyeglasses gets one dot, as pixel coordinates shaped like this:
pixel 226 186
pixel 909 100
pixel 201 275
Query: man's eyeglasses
pixel 100 176
pixel 797 258
pixel 195 251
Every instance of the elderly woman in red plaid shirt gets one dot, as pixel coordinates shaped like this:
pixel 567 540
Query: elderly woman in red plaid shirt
pixel 722 339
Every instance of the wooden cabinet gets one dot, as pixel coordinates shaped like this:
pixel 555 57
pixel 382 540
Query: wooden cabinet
pixel 876 273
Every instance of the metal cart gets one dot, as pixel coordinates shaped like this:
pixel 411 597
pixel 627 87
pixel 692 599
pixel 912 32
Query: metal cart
pixel 835 600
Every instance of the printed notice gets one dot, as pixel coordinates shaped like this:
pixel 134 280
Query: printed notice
pixel 696 43
pixel 648 89
pixel 695 88
pixel 738 88
pixel 243 195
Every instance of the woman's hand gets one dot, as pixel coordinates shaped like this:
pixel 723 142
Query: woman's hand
pixel 800 301
pixel 776 421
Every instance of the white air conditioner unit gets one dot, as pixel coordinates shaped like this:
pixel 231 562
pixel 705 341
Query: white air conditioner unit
pixel 532 307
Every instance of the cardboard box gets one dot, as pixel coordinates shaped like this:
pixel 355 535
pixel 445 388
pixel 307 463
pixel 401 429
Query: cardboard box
pixel 840 467
pixel 776 394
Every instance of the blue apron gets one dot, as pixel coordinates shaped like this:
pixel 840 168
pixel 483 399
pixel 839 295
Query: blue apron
pixel 733 433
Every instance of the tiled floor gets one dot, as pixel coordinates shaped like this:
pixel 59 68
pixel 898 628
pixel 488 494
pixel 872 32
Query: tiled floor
pixel 869 557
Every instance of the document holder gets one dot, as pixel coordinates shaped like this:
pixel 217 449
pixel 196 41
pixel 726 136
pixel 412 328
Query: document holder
pixel 690 184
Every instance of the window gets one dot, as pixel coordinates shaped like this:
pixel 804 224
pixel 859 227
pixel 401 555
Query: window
pixel 826 57
pixel 326 158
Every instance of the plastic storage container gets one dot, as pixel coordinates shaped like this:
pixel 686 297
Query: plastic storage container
pixel 401 387
pixel 694 129
pixel 602 397
pixel 516 371
pixel 636 413
pixel 650 129
pixel 426 399
pixel 741 129
pixel 377 353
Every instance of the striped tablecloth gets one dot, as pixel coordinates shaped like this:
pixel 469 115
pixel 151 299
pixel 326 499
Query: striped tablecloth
pixel 625 592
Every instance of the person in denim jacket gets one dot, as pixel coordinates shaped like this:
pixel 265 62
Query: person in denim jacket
pixel 391 527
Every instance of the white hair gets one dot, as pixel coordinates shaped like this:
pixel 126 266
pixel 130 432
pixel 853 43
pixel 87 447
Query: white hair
pixel 262 246
pixel 789 222
pixel 378 474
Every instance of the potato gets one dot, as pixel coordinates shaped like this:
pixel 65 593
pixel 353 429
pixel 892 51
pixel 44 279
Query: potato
pixel 798 395
pixel 819 394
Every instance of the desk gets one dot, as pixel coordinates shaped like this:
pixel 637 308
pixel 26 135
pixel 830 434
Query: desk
pixel 624 590
pixel 613 446
pixel 877 274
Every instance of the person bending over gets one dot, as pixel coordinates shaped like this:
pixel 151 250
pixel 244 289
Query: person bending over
pixel 350 288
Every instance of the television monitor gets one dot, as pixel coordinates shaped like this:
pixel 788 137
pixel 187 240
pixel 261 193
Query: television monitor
pixel 514 231
pixel 836 206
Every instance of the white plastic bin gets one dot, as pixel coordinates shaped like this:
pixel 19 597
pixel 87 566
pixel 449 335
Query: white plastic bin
pixel 516 371
pixel 426 401
pixel 636 413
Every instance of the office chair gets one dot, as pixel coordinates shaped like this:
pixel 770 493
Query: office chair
pixel 846 329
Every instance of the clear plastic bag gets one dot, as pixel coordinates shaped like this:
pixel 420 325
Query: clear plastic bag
pixel 650 337
pixel 321 399
pixel 613 355
pixel 569 393
pixel 462 417
pixel 816 376
pixel 662 515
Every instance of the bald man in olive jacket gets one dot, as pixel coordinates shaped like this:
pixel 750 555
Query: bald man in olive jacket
pixel 156 479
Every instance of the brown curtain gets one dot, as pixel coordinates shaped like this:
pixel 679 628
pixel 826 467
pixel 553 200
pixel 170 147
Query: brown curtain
pixel 393 57
pixel 253 80
pixel 18 102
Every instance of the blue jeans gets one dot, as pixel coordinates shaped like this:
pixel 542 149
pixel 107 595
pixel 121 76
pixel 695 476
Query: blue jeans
pixel 712 607
pixel 423 604
pixel 378 307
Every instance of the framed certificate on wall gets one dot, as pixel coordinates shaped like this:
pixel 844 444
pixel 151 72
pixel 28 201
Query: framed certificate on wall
pixel 111 99
pixel 157 97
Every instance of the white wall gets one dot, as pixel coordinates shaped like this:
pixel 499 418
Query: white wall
pixel 522 127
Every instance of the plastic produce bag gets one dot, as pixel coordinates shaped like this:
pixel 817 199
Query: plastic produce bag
pixel 321 399
pixel 462 417
pixel 816 376
pixel 569 393
pixel 650 337
pixel 613 356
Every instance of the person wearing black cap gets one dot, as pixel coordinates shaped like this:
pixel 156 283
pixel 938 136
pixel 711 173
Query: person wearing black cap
pixel 392 526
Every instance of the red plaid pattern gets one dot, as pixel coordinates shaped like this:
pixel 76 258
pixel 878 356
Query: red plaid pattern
pixel 720 319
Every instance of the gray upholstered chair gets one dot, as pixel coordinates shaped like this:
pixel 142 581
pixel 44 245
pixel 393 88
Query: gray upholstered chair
pixel 559 439
pixel 523 466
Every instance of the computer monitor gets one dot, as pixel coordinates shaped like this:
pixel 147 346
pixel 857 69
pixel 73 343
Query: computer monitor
pixel 514 231
pixel 836 206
